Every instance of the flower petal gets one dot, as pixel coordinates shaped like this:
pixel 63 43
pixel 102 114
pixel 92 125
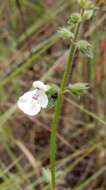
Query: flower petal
pixel 42 99
pixel 41 85
pixel 28 105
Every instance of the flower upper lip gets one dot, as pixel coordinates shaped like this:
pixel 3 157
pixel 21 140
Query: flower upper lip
pixel 40 85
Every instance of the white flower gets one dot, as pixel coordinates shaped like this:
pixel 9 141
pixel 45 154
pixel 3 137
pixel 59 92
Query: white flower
pixel 32 101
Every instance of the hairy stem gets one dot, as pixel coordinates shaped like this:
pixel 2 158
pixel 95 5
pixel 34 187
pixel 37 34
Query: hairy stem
pixel 59 105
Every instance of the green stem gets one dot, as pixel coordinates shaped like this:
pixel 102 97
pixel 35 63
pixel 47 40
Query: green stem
pixel 59 105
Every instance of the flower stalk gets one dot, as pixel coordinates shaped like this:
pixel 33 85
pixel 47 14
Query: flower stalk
pixel 45 96
pixel 59 103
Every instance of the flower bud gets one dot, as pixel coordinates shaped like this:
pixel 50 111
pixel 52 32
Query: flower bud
pixel 85 48
pixel 47 175
pixel 82 3
pixel 78 89
pixel 88 14
pixel 65 33
pixel 74 19
pixel 87 4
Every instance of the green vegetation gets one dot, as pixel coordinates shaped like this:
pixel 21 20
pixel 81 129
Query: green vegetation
pixel 31 49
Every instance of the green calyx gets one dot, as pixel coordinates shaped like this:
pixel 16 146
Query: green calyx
pixel 87 4
pixel 85 48
pixel 52 94
pixel 65 33
pixel 78 89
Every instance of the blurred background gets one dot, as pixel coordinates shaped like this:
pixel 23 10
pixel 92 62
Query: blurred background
pixel 31 50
